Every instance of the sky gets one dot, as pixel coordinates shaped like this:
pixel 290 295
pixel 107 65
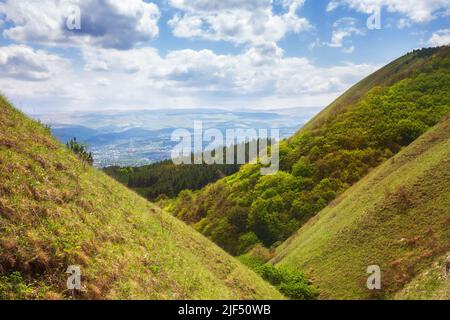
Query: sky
pixel 66 55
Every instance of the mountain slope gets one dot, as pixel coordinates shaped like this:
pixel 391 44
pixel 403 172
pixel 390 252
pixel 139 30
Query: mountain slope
pixel 369 124
pixel 397 70
pixel 397 217
pixel 431 284
pixel 56 211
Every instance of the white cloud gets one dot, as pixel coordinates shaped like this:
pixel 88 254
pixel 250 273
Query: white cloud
pixel 350 49
pixel 404 23
pixel 258 72
pixel 342 29
pixel 121 61
pixel 109 23
pixel 102 82
pixel 242 22
pixel 140 78
pixel 117 73
pixel 217 5
pixel 416 10
pixel 24 63
pixel 440 38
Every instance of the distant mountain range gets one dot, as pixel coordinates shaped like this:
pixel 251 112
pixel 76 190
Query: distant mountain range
pixel 135 138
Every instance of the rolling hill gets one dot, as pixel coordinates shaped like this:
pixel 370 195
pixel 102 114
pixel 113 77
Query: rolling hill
pixel 366 126
pixel 56 211
pixel 397 217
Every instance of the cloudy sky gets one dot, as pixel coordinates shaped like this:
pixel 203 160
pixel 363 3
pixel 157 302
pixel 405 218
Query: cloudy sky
pixel 58 56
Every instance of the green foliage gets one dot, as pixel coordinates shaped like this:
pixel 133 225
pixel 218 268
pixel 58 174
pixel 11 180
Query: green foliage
pixel 293 284
pixel 247 240
pixel 12 287
pixel 167 179
pixel 304 168
pixel 252 261
pixel 80 150
pixel 371 122
pixel 409 130
pixel 297 290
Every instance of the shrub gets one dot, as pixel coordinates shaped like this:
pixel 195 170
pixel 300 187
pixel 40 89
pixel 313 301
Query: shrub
pixel 298 291
pixel 251 261
pixel 303 168
pixel 13 287
pixel 80 150
pixel 409 130
pixel 247 240
pixel 293 284
pixel 271 273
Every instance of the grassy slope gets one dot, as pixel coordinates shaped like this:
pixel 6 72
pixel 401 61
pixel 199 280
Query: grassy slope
pixel 55 212
pixel 430 284
pixel 396 217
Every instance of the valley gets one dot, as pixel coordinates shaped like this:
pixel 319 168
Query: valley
pixel 142 137
pixel 363 183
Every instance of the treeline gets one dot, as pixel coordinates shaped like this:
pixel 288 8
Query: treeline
pixel 165 179
pixel 320 163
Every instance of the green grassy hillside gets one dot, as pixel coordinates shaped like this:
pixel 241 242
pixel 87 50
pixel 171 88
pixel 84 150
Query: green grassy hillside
pixel 399 69
pixel 362 129
pixel 430 284
pixel 56 211
pixel 397 217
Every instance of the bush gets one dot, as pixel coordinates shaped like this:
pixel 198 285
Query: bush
pixel 251 261
pixel 303 168
pixel 271 273
pixel 293 284
pixel 80 150
pixel 297 291
pixel 409 130
pixel 13 287
pixel 247 240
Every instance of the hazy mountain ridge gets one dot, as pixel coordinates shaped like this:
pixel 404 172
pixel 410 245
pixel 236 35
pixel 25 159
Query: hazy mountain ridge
pixel 137 138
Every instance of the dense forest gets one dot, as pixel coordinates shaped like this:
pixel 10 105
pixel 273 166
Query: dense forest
pixel 396 106
pixel 165 179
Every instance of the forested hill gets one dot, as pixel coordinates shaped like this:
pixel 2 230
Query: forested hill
pixel 166 179
pixel 369 124
pixel 397 217
pixel 57 211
